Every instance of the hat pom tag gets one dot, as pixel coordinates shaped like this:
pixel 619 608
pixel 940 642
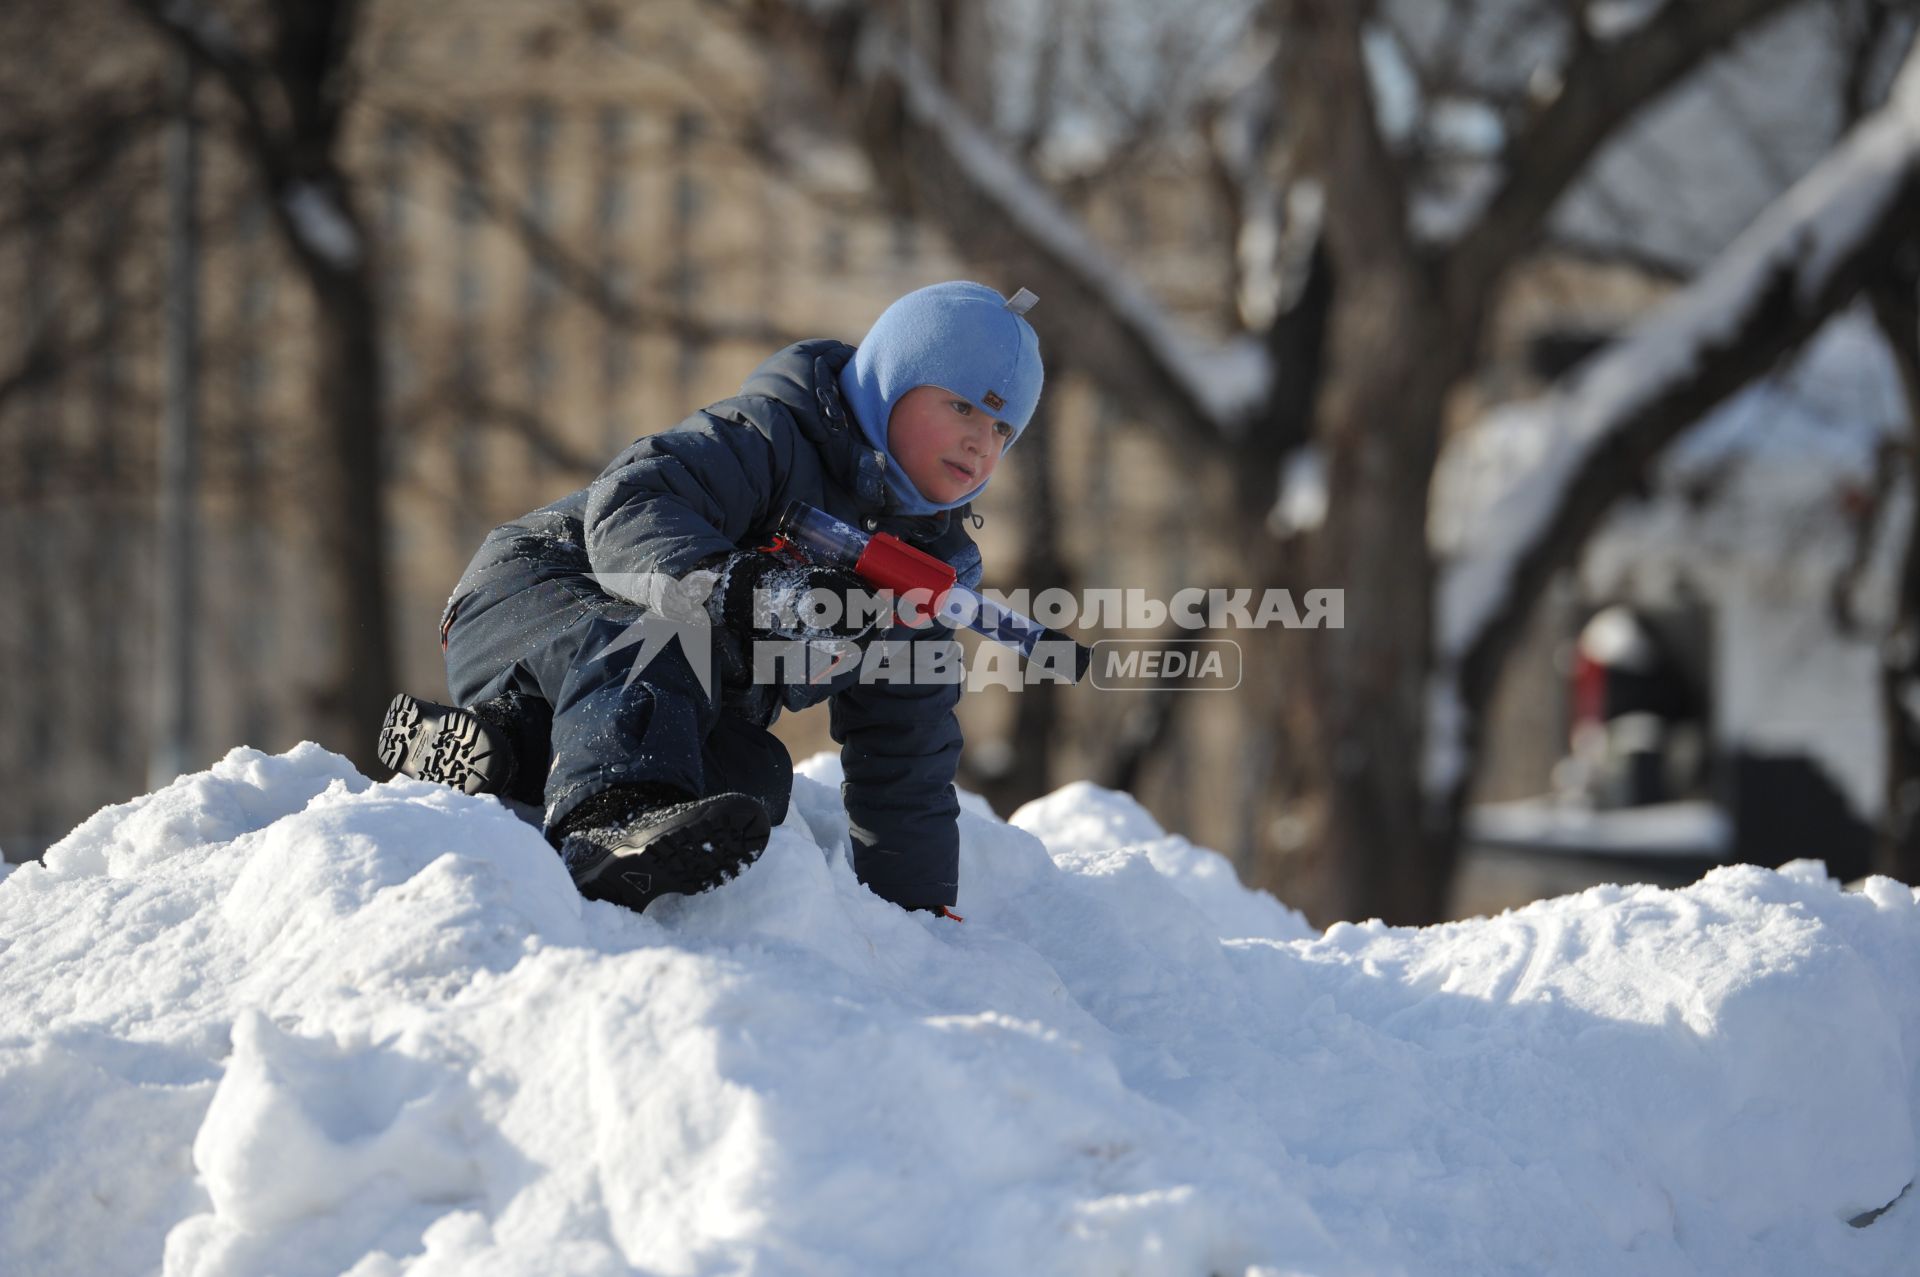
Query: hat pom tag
pixel 1021 302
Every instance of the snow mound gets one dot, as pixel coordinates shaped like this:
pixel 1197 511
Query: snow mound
pixel 276 1018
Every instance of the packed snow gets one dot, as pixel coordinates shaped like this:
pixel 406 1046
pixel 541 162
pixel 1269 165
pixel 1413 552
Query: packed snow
pixel 277 1018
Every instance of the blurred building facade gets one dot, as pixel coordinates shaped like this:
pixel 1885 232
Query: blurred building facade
pixel 587 227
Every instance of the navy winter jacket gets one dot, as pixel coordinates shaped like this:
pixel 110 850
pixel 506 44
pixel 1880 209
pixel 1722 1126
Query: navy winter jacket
pixel 717 482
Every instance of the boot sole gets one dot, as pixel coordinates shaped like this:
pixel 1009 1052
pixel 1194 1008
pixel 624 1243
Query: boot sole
pixel 442 744
pixel 694 852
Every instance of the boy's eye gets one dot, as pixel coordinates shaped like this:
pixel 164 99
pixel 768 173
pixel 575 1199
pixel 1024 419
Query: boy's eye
pixel 1004 429
pixel 962 407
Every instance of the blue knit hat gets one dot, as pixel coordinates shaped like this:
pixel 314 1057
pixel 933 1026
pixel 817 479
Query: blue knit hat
pixel 962 337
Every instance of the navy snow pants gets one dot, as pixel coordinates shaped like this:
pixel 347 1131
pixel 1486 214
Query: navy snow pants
pixel 537 623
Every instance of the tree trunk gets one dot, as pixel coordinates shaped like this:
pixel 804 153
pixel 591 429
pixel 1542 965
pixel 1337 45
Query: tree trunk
pixel 1028 771
pixel 1354 700
pixel 349 501
pixel 1896 305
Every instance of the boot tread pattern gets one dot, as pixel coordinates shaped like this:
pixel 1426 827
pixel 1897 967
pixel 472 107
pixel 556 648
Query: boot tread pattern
pixel 438 743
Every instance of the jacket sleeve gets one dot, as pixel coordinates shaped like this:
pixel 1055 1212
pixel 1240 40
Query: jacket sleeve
pixel 899 750
pixel 674 499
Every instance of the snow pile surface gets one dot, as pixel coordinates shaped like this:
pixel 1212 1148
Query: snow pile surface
pixel 279 1019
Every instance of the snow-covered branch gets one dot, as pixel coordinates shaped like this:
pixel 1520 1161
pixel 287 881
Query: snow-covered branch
pixel 1115 324
pixel 1591 440
pixel 322 225
pixel 1609 79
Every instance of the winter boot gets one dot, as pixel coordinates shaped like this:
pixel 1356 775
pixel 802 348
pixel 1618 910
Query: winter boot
pixel 634 843
pixel 471 749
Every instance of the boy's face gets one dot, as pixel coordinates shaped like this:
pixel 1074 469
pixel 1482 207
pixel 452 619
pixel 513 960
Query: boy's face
pixel 947 446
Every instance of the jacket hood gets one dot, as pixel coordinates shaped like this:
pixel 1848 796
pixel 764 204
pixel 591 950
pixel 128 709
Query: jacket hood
pixel 791 376
pixel 805 379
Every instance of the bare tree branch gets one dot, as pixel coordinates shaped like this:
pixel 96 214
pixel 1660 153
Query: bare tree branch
pixel 1649 262
pixel 568 270
pixel 1606 83
pixel 536 430
pixel 47 355
pixel 1869 24
pixel 68 159
pixel 215 48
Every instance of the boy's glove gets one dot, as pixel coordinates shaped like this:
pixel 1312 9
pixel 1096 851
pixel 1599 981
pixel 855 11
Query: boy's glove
pixel 761 596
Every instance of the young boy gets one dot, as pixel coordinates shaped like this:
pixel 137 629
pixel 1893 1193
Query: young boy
pixel 650 784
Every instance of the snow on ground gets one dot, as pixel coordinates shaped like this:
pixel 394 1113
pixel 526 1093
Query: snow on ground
pixel 279 1019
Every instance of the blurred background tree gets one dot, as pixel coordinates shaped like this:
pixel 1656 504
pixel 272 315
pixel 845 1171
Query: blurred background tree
pixel 1380 174
pixel 457 252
